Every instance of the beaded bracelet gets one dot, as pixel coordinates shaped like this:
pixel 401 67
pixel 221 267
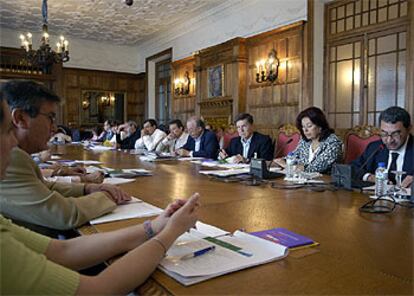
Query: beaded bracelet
pixel 148 229
pixel 160 243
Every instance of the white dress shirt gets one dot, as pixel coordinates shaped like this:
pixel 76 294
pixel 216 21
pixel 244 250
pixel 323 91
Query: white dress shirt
pixel 197 143
pixel 174 144
pixel 246 145
pixel 400 159
pixel 150 142
pixel 312 153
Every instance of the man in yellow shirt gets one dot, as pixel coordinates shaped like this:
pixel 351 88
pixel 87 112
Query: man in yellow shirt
pixel 35 264
pixel 25 195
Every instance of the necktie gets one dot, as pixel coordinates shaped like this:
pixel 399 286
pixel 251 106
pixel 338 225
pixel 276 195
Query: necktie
pixel 393 167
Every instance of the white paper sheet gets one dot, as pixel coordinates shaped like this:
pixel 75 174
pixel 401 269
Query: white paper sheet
pixel 134 209
pixel 100 148
pixel 117 181
pixel 210 230
pixel 226 173
pixel 87 162
pixel 222 260
pixel 190 158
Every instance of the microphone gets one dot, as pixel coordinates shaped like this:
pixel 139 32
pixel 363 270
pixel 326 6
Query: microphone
pixel 379 148
pixel 279 150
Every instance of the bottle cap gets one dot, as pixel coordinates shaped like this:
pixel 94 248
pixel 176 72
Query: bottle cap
pixel 381 164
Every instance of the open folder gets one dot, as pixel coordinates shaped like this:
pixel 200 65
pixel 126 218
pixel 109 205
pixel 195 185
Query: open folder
pixel 232 252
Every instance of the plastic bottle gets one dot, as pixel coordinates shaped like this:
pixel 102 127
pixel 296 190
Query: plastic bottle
pixel 290 162
pixel 381 180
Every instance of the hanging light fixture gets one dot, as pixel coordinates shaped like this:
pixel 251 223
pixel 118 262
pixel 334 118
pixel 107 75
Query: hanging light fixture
pixel 45 56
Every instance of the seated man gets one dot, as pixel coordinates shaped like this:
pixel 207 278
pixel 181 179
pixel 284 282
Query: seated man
pixel 25 195
pixel 248 143
pixel 151 136
pixel 175 139
pixel 132 134
pixel 201 143
pixel 395 148
pixel 60 137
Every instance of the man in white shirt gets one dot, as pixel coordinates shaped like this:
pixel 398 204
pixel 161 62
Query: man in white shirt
pixel 175 139
pixel 201 142
pixel 248 143
pixel 151 136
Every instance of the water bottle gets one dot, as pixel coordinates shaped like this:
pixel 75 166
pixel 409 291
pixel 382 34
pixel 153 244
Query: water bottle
pixel 290 162
pixel 381 180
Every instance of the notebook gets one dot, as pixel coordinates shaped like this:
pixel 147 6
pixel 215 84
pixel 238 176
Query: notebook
pixel 284 237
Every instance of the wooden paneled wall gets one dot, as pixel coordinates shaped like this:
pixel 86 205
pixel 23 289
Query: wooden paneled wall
pixel 274 104
pixel 183 106
pixel 271 104
pixel 218 110
pixel 76 80
pixel 232 56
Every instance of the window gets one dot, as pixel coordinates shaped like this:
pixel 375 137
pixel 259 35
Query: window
pixel 366 60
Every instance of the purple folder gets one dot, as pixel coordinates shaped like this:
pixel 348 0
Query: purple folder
pixel 284 237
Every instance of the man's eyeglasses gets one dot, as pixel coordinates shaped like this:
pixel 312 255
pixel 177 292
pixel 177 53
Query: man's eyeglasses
pixel 394 135
pixel 51 116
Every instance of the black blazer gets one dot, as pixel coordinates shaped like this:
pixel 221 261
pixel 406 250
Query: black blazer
pixel 209 146
pixel 128 142
pixel 260 144
pixel 382 156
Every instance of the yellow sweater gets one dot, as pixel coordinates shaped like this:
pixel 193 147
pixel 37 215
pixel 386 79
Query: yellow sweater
pixel 24 268
pixel 26 196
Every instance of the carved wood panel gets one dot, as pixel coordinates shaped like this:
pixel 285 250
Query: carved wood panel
pixel 75 80
pixel 277 103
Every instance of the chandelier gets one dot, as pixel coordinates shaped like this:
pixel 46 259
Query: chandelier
pixel 45 56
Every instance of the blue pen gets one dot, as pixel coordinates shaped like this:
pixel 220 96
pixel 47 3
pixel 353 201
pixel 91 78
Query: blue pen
pixel 198 253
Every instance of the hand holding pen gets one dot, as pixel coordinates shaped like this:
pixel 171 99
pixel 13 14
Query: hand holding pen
pixel 223 154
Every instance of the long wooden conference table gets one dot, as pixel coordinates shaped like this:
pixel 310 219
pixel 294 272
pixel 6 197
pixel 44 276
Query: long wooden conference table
pixel 359 253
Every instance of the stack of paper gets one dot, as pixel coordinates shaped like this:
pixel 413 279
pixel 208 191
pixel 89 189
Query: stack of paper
pixel 136 208
pixel 226 173
pixel 231 253
pixel 87 162
pixel 100 148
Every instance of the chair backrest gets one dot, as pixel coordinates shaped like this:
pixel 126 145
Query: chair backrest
pixel 357 139
pixel 285 133
pixel 227 138
pixel 76 137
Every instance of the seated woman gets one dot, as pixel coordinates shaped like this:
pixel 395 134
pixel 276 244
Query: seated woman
pixel 319 147
pixel 35 264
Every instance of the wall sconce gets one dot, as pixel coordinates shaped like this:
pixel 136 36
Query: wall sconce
pixel 268 70
pixel 85 103
pixel 105 101
pixel 182 85
pixel 111 99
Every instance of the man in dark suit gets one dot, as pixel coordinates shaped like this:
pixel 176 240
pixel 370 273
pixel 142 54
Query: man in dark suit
pixel 201 142
pixel 133 134
pixel 248 143
pixel 395 148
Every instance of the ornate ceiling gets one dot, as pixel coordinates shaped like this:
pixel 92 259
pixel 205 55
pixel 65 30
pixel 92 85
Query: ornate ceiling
pixel 101 20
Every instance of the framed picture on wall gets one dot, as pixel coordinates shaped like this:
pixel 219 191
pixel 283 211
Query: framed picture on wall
pixel 215 81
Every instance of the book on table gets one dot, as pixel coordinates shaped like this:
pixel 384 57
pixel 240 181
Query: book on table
pixel 285 237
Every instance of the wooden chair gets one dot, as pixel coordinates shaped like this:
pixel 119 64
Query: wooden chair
pixel 357 139
pixel 286 133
